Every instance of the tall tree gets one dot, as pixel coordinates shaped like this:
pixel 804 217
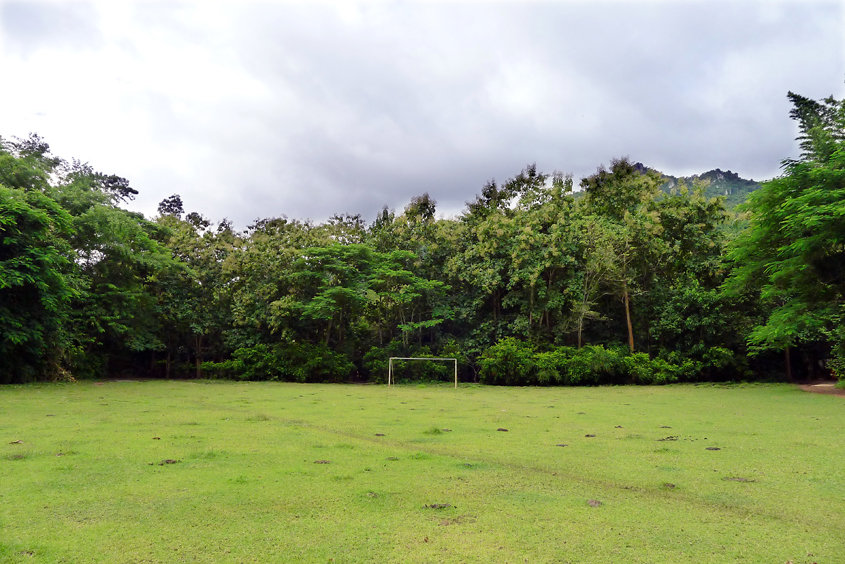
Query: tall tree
pixel 194 300
pixel 598 267
pixel 35 291
pixel 624 194
pixel 793 252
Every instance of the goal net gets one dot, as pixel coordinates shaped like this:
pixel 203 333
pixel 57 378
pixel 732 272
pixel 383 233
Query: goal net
pixel 391 379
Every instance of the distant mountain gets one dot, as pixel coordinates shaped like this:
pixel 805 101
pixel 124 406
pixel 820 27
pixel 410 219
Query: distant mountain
pixel 720 183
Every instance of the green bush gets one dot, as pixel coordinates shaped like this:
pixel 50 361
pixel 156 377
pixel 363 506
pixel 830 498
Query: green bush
pixel 308 362
pixel 258 362
pixel 427 371
pixel 595 364
pixel 86 365
pixel 376 364
pixel 718 363
pixel 510 362
pixel 639 368
pixel 837 368
pixel 298 362
pixel 552 366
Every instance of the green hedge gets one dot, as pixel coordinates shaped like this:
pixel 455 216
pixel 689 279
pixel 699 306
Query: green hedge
pixel 510 362
pixel 513 362
pixel 293 362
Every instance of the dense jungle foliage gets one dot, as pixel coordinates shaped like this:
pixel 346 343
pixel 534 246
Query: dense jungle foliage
pixel 534 283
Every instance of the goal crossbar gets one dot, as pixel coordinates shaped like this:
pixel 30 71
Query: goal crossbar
pixel 391 378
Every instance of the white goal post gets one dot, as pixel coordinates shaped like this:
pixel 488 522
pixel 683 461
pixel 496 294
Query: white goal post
pixel 390 377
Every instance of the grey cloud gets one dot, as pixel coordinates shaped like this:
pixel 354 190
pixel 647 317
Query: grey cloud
pixel 364 109
pixel 30 26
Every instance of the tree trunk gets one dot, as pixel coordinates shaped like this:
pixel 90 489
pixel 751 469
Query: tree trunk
pixel 530 307
pixel 628 315
pixel 585 300
pixel 580 326
pixel 404 333
pixel 329 330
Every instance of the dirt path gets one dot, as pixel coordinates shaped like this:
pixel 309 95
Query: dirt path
pixel 822 387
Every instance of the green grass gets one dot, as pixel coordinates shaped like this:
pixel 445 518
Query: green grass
pixel 266 472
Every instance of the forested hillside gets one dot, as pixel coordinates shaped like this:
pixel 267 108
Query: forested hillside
pixel 639 280
pixel 717 183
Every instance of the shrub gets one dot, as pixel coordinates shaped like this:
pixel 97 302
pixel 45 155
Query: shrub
pixel 639 368
pixel 594 364
pixel 721 363
pixel 299 362
pixel 552 366
pixel 428 371
pixel 377 359
pixel 258 362
pixel 510 362
pixel 309 362
pixel 837 368
pixel 376 364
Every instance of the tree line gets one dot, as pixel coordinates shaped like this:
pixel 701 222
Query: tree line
pixel 622 281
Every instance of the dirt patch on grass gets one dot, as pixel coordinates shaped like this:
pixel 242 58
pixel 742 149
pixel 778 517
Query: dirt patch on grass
pixel 165 462
pixel 822 387
pixel 458 520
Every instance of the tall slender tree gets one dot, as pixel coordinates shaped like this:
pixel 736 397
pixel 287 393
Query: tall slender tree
pixel 793 253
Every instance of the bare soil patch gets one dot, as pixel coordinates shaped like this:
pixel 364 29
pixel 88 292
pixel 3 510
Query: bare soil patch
pixel 822 387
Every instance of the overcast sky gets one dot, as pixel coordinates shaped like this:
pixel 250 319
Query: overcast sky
pixel 307 109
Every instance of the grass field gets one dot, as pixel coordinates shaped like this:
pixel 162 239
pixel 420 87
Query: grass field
pixel 267 472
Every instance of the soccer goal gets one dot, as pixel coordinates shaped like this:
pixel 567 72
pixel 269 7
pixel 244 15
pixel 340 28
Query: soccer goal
pixel 390 378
